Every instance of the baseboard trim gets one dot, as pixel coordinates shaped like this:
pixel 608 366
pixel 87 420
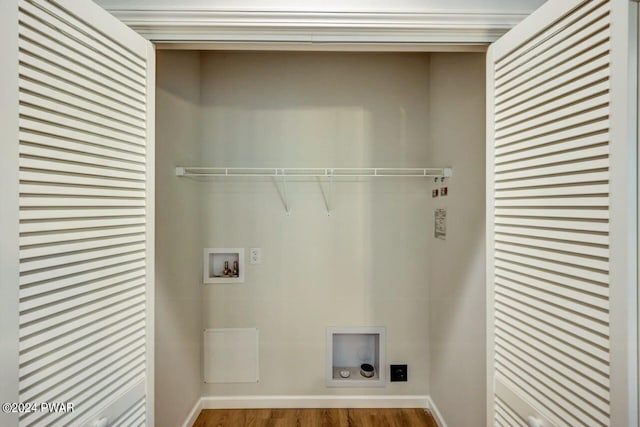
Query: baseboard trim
pixel 193 415
pixel 434 411
pixel 318 401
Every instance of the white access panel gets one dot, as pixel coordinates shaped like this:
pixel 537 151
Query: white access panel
pixel 561 218
pixel 85 152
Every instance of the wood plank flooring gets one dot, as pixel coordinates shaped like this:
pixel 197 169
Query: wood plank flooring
pixel 314 418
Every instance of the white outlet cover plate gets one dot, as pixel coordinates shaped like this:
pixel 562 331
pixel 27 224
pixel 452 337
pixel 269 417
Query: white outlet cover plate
pixel 255 255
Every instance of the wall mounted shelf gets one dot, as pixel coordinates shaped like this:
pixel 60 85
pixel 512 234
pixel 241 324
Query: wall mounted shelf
pixel 281 174
pixel 193 171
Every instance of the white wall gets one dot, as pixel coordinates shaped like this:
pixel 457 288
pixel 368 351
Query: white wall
pixel 457 273
pixel 178 333
pixel 366 264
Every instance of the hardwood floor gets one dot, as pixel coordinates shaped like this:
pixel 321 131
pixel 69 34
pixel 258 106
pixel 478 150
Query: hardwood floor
pixel 314 418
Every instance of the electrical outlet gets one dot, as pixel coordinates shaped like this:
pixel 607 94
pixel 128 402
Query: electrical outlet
pixel 398 373
pixel 255 255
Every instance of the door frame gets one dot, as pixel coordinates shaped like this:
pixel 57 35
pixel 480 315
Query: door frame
pixel 211 28
pixel 197 21
pixel 9 213
pixel 624 226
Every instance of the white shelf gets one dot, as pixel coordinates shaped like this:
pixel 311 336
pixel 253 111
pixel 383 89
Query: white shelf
pixel 330 173
pixel 195 171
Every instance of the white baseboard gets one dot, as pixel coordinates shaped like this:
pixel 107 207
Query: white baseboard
pixel 193 415
pixel 434 411
pixel 319 401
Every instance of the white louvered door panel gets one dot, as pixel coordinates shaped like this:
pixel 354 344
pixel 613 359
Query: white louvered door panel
pixel 550 213
pixel 85 214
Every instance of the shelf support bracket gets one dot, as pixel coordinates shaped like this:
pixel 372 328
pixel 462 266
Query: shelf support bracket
pixel 330 204
pixel 327 196
pixel 283 192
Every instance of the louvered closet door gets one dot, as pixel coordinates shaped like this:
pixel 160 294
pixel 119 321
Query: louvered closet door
pixel 551 218
pixel 85 215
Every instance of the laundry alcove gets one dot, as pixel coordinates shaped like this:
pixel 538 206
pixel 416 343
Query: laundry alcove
pixel 374 261
pixel 508 289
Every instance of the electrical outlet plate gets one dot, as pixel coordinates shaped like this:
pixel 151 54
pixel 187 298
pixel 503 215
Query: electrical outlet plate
pixel 255 255
pixel 398 373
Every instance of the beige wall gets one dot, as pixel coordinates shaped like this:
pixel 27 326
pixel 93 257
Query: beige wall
pixel 457 265
pixel 178 311
pixel 365 264
pixel 374 261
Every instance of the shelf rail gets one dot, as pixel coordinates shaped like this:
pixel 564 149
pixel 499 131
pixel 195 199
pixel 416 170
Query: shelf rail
pixel 194 171
pixel 281 175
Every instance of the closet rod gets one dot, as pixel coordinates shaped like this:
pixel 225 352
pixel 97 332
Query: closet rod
pixel 313 172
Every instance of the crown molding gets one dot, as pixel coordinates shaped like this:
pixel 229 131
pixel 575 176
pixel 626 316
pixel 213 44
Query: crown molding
pixel 249 26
